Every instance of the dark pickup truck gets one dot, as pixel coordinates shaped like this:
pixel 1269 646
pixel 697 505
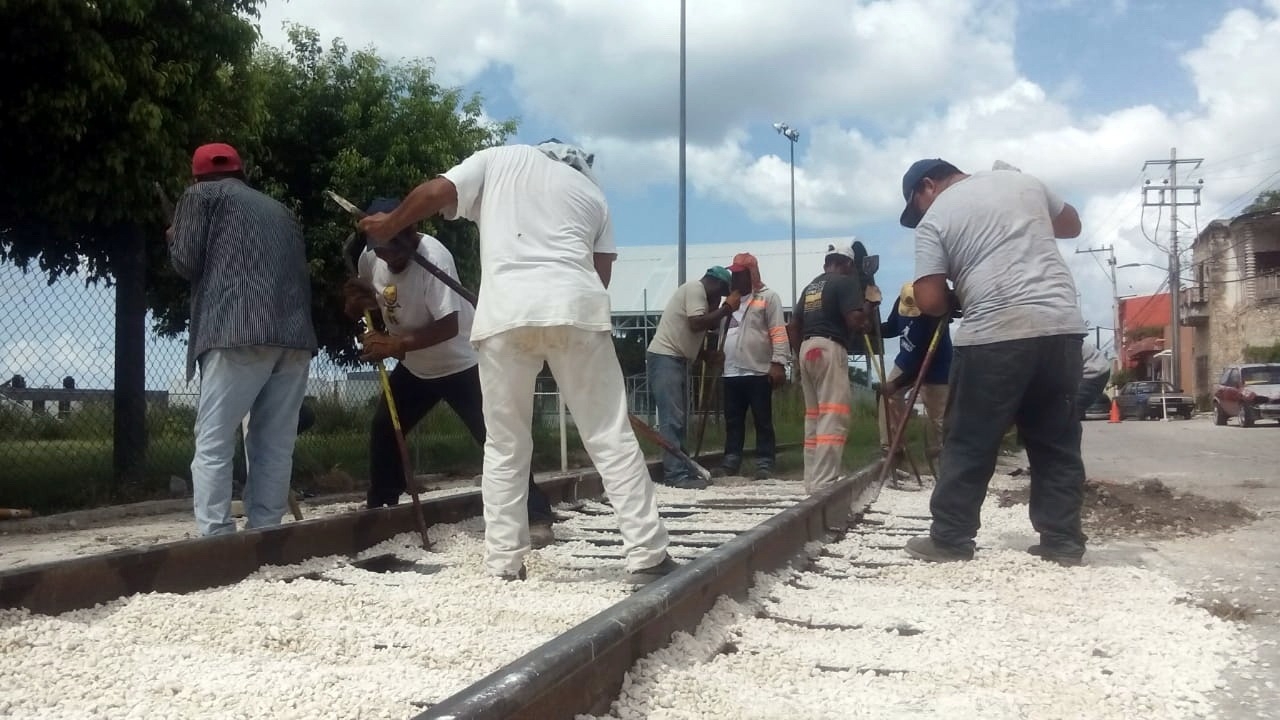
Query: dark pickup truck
pixel 1152 400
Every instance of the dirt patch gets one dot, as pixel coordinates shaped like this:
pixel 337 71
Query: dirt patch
pixel 1147 508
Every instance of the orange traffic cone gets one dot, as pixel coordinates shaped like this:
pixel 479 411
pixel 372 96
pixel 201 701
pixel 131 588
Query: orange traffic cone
pixel 1115 411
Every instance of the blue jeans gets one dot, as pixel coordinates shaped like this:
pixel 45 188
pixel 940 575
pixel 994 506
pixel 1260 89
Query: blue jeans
pixel 267 384
pixel 669 384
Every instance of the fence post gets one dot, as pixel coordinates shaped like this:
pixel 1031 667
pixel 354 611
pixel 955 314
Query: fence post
pixel 129 434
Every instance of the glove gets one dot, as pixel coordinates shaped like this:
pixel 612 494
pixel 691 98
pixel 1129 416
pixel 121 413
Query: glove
pixel 953 305
pixel 380 346
pixel 359 296
pixel 734 301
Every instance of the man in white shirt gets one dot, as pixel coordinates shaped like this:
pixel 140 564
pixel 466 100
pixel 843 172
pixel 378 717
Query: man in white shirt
pixel 428 330
pixel 546 255
pixel 1097 371
pixel 1017 357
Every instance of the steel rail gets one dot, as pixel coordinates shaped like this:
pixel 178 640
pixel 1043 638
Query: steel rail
pixel 581 671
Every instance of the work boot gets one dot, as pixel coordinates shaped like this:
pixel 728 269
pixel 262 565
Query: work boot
pixel 925 548
pixel 763 473
pixel 541 534
pixel 722 471
pixel 644 576
pixel 1063 558
pixel 521 575
pixel 691 482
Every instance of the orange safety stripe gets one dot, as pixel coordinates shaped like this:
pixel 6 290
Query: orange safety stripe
pixel 833 409
pixel 811 413
pixel 829 440
pixel 778 333
pixel 811 443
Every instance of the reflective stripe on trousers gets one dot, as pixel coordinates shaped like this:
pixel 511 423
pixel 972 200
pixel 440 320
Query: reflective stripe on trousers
pixel 824 378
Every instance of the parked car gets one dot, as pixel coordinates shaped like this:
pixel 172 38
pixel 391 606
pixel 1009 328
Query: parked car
pixel 1248 392
pixel 1100 409
pixel 1151 399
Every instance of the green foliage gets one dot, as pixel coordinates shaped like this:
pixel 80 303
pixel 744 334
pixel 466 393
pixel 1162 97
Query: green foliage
pixel 354 123
pixel 630 346
pixel 1121 377
pixel 101 99
pixel 1144 332
pixel 1268 200
pixel 1262 353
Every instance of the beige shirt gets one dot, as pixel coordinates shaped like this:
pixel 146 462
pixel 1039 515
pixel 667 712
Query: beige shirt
pixel 673 336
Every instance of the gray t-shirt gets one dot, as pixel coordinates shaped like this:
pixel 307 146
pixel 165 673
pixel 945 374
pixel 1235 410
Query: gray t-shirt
pixel 991 234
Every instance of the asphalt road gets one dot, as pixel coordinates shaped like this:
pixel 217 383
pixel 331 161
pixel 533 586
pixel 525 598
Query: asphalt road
pixel 1226 463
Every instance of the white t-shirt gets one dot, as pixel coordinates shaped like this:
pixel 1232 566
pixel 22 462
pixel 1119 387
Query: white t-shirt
pixel 731 366
pixel 673 336
pixel 414 299
pixel 540 223
pixel 992 235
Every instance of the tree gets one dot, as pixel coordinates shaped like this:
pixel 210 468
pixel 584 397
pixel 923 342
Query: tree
pixel 350 122
pixel 1268 200
pixel 100 100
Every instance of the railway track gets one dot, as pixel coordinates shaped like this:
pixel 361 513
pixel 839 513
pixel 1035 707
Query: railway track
pixel 348 617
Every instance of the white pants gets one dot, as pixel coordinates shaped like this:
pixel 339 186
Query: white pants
pixel 934 397
pixel 586 369
pixel 268 384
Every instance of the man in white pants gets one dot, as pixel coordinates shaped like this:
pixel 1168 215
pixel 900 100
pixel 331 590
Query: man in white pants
pixel 546 255
pixel 251 336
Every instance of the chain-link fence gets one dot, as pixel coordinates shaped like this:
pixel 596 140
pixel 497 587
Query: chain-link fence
pixel 57 363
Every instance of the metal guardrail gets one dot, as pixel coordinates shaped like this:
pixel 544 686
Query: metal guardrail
pixel 582 670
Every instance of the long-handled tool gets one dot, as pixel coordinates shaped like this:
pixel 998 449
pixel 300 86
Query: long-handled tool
pixel 896 435
pixel 636 423
pixel 705 393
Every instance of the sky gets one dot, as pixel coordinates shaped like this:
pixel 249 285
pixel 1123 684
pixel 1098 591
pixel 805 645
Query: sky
pixel 1077 92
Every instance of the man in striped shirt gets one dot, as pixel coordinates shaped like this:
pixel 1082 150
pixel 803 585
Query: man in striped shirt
pixel 251 335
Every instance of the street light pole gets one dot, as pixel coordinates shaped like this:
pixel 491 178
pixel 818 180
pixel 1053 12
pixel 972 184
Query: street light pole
pixel 680 251
pixel 792 135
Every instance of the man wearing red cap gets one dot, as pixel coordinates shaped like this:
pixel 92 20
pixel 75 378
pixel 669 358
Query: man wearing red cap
pixel 756 354
pixel 250 335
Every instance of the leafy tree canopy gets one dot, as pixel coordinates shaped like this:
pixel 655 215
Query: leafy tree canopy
pixel 1268 200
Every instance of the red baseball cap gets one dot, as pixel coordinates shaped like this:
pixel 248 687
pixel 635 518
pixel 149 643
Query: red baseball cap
pixel 214 158
pixel 736 268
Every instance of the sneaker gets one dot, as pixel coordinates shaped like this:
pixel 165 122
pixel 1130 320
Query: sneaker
pixel 924 548
pixel 644 576
pixel 541 534
pixel 517 576
pixel 688 483
pixel 1066 559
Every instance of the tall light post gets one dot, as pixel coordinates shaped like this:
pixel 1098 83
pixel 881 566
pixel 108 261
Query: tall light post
pixel 792 135
pixel 680 251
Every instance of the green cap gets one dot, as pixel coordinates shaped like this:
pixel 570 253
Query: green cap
pixel 720 273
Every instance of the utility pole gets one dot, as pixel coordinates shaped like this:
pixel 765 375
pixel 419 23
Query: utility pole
pixel 680 251
pixel 1115 300
pixel 1173 202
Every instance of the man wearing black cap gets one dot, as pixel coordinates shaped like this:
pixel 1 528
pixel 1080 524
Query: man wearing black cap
pixel 829 313
pixel 251 335
pixel 428 329
pixel 1017 353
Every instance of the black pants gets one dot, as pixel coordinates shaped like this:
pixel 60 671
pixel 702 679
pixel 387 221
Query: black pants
pixel 752 393
pixel 1031 383
pixel 415 398
pixel 1089 391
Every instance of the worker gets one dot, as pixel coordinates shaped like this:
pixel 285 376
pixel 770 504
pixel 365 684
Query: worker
pixel 756 356
pixel 1017 358
pixel 251 336
pixel 428 328
pixel 829 314
pixel 916 332
pixel 677 343
pixel 1093 382
pixel 546 255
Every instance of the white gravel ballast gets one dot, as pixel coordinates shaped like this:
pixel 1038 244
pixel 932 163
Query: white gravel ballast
pixel 326 639
pixel 866 632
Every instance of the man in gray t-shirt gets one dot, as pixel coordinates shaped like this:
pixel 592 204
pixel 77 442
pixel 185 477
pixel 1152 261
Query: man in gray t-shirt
pixel 1017 353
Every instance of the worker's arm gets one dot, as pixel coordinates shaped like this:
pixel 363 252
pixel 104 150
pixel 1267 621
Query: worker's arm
pixel 1066 224
pixel 422 202
pixel 604 251
pixel 778 336
pixel 931 295
pixel 711 321
pixel 434 333
pixel 604 266
pixel 795 332
pixel 189 235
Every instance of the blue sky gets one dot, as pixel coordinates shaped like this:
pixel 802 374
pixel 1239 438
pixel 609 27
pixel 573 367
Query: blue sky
pixel 1078 92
